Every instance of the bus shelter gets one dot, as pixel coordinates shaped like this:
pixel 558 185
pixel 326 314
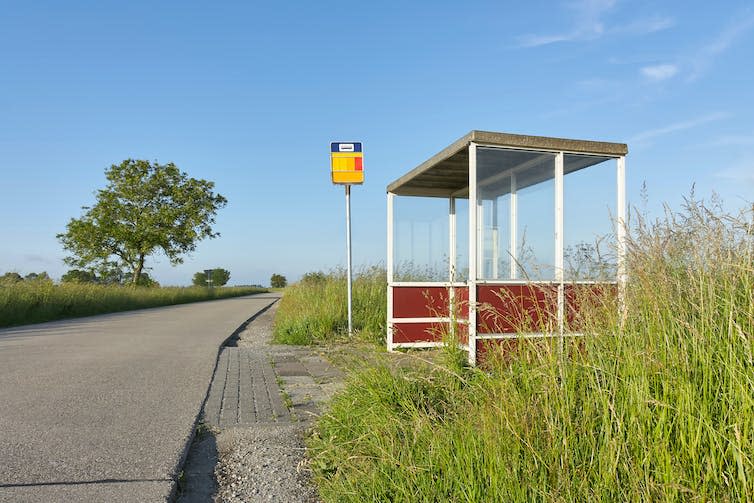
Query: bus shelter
pixel 500 227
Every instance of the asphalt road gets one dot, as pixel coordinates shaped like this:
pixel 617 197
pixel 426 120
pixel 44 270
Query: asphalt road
pixel 101 408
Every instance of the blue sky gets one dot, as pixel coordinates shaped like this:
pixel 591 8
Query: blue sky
pixel 249 95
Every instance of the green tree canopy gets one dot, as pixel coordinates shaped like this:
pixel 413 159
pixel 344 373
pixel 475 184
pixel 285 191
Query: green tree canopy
pixel 145 208
pixel 40 277
pixel 220 277
pixel 278 281
pixel 79 276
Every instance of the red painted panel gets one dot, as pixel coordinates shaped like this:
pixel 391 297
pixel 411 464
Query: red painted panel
pixel 420 302
pixel 584 298
pixel 506 309
pixel 489 351
pixel 418 332
pixel 503 349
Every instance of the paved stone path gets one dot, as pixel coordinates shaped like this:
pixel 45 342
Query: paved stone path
pixel 244 391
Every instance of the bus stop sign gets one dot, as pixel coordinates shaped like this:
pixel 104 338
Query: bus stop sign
pixel 347 163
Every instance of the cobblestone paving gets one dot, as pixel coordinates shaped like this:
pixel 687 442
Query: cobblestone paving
pixel 244 391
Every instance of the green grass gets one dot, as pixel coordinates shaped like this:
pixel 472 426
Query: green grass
pixel 314 310
pixel 39 301
pixel 654 405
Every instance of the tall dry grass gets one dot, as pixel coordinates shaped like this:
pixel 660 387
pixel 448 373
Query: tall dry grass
pixel 655 403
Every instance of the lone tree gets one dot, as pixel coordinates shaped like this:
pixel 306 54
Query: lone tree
pixel 278 281
pixel 145 208
pixel 220 277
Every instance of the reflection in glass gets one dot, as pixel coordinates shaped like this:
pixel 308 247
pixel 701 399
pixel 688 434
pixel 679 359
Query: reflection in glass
pixel 421 242
pixel 515 197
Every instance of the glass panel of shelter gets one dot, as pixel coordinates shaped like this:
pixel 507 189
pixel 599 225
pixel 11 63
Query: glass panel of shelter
pixel 460 272
pixel 590 253
pixel 420 239
pixel 515 198
pixel 516 238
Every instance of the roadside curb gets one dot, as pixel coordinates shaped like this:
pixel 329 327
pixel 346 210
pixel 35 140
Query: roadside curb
pixel 180 465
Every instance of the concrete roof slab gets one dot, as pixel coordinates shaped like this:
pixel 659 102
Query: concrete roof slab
pixel 447 172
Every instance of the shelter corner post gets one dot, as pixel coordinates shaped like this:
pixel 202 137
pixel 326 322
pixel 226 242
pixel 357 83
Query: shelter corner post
pixel 389 271
pixel 621 233
pixel 473 258
pixel 452 265
pixel 559 244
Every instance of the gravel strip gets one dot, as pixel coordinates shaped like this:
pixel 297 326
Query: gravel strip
pixel 263 464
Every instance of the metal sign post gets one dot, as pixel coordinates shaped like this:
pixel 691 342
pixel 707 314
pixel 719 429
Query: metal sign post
pixel 208 273
pixel 348 254
pixel 347 168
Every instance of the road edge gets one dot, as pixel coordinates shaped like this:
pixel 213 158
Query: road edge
pixel 173 494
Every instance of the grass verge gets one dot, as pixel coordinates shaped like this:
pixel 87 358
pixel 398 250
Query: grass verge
pixel 36 302
pixel 314 309
pixel 655 404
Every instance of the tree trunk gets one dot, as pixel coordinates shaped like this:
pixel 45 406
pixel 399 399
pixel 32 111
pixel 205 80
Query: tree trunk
pixel 137 271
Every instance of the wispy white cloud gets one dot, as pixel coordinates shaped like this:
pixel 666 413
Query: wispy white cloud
pixel 705 56
pixel 659 72
pixel 532 40
pixel 645 26
pixel 589 24
pixel 675 127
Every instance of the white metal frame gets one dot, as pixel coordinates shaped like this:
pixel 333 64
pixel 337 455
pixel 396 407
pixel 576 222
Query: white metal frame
pixel 527 335
pixel 451 284
pixel 559 241
pixel 420 345
pixel 473 252
pixel 621 232
pixel 514 228
pixel 389 265
pixel 428 283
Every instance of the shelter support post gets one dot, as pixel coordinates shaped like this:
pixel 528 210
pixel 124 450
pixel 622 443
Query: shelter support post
pixel 473 254
pixel 514 229
pixel 390 267
pixel 452 264
pixel 452 241
pixel 621 232
pixel 495 241
pixel 559 243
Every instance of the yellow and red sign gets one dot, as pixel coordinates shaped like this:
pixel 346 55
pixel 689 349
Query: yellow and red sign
pixel 347 163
